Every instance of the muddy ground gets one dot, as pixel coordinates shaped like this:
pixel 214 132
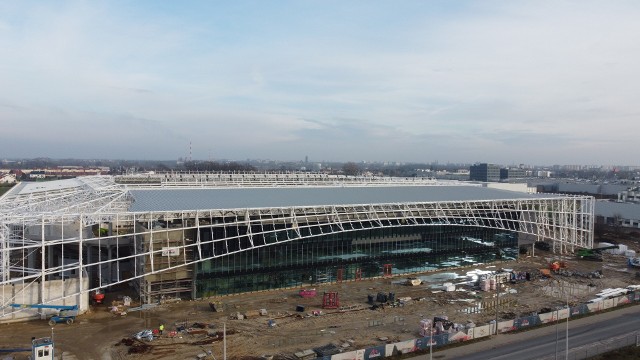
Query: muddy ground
pixel 99 333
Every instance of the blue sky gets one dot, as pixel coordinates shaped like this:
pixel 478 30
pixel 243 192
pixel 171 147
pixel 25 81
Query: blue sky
pixel 537 82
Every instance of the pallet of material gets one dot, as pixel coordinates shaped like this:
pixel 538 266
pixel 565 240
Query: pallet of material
pixel 305 354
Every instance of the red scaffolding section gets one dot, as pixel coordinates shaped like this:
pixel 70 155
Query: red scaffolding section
pixel 330 300
pixel 386 270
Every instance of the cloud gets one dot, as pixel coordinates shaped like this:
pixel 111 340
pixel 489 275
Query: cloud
pixel 493 81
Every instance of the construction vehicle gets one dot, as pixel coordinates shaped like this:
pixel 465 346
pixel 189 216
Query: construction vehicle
pixel 66 313
pixel 98 297
pixel 593 254
pixel 542 245
pixel 557 265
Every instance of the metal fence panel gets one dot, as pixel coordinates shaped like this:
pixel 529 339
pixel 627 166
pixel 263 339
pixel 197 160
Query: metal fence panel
pixel 527 321
pixel 442 339
pixel 423 343
pixel 481 331
pixel 375 352
pixel 579 310
pixel 351 355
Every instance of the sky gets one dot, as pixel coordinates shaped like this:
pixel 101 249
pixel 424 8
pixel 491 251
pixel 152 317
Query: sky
pixel 508 82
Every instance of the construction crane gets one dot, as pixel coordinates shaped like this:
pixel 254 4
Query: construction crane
pixel 66 313
pixel 593 254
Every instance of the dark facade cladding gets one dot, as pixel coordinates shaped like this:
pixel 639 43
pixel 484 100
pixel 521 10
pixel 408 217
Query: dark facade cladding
pixel 512 173
pixel 484 172
pixel 366 253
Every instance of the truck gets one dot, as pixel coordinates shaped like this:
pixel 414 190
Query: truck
pixel 66 313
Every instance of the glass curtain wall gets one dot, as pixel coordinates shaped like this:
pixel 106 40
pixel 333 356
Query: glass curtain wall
pixel 347 256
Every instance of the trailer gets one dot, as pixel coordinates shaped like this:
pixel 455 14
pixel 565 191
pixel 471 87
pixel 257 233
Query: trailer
pixel 42 349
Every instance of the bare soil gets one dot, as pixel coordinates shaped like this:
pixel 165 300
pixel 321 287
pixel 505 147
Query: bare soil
pixel 99 334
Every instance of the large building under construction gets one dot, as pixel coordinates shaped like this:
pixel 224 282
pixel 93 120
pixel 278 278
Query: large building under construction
pixel 197 235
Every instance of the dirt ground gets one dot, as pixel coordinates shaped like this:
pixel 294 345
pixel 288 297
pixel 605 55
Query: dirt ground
pixel 99 333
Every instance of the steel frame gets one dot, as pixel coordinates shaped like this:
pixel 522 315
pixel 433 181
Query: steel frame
pixel 77 212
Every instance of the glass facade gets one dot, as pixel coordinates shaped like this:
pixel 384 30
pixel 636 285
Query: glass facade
pixel 346 256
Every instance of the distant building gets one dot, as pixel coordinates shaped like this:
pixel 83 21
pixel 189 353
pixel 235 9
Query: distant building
pixel 631 196
pixel 7 179
pixel 611 213
pixel 37 174
pixel 512 173
pixel 484 172
pixel 65 172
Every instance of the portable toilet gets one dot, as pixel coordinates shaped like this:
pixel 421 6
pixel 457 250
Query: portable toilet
pixel 42 349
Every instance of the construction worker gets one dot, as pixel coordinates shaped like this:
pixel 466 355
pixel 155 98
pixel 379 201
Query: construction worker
pixel 161 328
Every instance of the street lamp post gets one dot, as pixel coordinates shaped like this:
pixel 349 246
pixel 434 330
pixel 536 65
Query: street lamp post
pixel 431 343
pixel 497 301
pixel 557 321
pixel 566 350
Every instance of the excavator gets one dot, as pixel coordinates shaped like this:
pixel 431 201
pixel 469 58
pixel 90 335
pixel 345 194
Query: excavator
pixel 593 254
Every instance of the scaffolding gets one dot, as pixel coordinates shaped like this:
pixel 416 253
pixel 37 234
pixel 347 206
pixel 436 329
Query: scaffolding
pixel 82 230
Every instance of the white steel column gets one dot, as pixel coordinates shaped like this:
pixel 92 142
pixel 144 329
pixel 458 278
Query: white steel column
pixel 43 267
pixel 80 259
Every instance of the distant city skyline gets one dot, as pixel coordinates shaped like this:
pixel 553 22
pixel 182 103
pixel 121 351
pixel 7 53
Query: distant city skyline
pixel 177 163
pixel 546 82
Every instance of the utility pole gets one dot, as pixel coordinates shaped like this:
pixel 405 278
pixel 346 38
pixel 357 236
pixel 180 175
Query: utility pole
pixel 557 321
pixel 497 301
pixel 566 350
pixel 431 342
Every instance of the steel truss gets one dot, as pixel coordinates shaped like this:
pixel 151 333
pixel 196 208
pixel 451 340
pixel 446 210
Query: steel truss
pixel 101 241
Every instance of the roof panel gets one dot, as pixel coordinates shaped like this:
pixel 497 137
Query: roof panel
pixel 614 209
pixel 226 198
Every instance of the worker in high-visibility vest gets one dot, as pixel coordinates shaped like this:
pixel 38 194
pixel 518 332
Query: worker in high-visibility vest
pixel 161 328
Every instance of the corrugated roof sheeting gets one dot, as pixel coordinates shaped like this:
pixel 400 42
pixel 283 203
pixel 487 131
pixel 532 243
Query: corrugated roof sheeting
pixel 225 198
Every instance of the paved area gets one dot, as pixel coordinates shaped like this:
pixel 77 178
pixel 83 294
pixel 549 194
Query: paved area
pixel 504 339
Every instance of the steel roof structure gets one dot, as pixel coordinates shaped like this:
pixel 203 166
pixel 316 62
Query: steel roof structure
pixel 95 220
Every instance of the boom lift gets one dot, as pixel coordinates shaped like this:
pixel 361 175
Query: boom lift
pixel 66 313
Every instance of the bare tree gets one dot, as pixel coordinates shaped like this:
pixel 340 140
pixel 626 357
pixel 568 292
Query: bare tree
pixel 351 168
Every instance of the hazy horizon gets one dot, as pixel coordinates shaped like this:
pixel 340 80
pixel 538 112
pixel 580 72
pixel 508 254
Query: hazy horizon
pixel 514 82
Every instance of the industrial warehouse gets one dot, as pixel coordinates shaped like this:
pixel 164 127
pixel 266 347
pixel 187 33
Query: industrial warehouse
pixel 200 235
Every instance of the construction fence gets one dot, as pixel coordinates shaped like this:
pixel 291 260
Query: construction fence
pixel 477 332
